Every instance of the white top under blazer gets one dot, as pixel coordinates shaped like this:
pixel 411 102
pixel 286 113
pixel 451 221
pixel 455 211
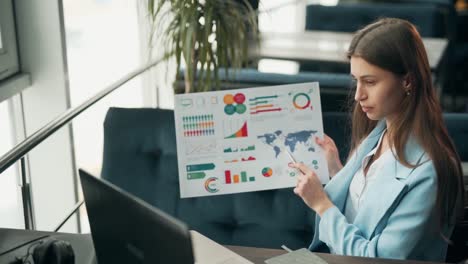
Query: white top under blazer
pixel 361 183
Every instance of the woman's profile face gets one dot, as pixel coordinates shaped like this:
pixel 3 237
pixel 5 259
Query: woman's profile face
pixel 379 92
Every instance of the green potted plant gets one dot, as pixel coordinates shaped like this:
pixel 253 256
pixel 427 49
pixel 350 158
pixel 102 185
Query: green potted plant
pixel 205 35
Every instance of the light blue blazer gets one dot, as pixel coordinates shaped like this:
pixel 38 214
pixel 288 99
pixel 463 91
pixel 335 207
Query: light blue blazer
pixel 396 219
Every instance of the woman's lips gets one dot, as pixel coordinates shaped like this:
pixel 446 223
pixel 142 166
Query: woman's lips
pixel 366 109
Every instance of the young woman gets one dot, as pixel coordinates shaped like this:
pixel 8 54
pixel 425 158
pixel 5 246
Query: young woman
pixel 401 188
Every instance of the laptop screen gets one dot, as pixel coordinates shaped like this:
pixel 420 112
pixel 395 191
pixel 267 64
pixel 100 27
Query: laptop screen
pixel 126 229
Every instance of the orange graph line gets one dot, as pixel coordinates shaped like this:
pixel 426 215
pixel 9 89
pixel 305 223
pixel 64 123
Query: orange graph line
pixel 261 106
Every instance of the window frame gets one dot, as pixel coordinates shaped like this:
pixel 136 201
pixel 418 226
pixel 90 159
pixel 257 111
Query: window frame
pixel 9 63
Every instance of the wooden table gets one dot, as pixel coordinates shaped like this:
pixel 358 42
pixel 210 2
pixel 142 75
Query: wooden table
pixel 323 46
pixel 259 255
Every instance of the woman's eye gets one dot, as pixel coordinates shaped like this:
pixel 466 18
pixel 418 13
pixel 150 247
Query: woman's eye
pixel 370 82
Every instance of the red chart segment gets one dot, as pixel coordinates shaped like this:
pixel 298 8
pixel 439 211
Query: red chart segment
pixel 234 104
pixel 267 172
pixel 236 178
pixel 242 132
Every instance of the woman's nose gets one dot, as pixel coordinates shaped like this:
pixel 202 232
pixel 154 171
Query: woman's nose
pixel 360 94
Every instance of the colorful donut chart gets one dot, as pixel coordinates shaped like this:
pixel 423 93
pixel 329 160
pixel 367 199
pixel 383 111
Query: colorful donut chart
pixel 210 185
pixel 299 102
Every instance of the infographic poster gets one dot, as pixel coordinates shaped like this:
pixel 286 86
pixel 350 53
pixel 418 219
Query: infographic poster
pixel 236 141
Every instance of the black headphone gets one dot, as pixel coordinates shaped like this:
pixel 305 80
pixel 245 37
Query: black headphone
pixel 49 251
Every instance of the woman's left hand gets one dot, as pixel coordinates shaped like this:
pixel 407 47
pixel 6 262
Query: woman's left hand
pixel 310 189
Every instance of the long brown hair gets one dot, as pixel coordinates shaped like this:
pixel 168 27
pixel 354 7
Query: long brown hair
pixel 396 46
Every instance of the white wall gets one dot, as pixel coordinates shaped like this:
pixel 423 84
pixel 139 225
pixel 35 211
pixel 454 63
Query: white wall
pixel 42 54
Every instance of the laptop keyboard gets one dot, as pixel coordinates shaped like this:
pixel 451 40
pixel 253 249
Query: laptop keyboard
pixel 300 256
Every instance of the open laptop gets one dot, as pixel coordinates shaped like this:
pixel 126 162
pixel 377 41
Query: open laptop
pixel 125 229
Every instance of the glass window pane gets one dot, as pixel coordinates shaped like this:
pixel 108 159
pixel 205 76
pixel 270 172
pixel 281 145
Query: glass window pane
pixel 10 202
pixel 103 44
pixel 1 41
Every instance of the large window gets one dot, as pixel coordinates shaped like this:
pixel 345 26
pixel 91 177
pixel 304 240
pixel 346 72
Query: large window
pixel 1 41
pixel 103 44
pixel 10 202
pixel 8 50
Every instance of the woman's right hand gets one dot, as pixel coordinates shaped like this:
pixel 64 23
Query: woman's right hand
pixel 331 154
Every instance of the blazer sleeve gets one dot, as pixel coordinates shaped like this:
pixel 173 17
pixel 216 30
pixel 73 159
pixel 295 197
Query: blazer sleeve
pixel 405 227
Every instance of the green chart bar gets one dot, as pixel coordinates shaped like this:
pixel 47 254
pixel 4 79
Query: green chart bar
pixel 258 102
pixel 263 97
pixel 252 179
pixel 244 176
pixel 200 167
pixel 249 148
pixel 196 175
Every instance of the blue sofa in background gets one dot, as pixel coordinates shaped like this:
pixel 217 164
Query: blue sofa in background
pixel 140 157
pixel 428 17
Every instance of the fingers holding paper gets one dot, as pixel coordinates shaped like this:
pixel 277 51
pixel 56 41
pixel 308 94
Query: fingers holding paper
pixel 310 189
pixel 331 154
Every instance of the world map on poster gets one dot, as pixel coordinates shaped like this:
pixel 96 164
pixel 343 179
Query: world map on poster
pixel 277 140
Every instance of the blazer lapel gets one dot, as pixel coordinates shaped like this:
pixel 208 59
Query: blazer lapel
pixel 386 189
pixel 383 192
pixel 337 187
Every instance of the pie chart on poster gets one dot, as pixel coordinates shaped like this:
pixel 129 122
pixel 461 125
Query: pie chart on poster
pixel 267 172
pixel 301 101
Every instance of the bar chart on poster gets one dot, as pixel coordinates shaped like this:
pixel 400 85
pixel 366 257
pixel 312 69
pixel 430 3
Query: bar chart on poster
pixel 235 141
